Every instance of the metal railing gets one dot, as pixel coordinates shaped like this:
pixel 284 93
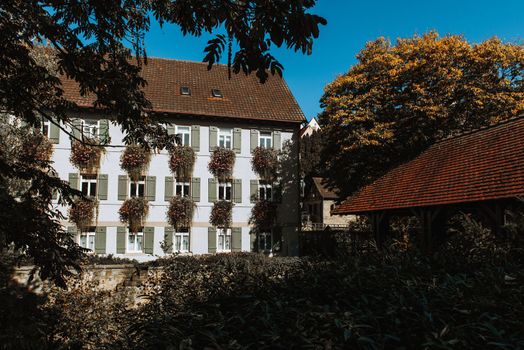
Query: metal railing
pixel 318 226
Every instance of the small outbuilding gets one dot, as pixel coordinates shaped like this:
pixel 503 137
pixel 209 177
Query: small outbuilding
pixel 481 171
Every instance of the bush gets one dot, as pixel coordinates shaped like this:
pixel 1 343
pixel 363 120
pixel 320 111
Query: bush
pixel 263 214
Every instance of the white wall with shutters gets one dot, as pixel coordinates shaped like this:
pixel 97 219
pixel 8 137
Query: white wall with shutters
pixel 110 165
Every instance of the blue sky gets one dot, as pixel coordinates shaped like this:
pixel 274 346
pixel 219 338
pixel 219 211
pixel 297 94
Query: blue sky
pixel 351 24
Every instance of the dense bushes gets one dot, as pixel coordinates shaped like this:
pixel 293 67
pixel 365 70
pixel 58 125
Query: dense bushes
pixel 468 296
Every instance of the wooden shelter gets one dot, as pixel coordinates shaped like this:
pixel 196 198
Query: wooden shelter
pixel 481 171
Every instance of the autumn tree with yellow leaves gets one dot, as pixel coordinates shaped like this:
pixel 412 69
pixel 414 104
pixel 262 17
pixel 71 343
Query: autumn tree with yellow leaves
pixel 399 99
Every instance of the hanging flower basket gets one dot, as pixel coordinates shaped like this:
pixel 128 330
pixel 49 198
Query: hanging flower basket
pixel 37 147
pixel 221 214
pixel 182 161
pixel 135 161
pixel 85 157
pixel 133 213
pixel 221 163
pixel 180 212
pixel 265 163
pixel 263 214
pixel 82 213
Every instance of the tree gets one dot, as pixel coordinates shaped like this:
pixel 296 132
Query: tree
pixel 398 100
pixel 100 45
pixel 310 157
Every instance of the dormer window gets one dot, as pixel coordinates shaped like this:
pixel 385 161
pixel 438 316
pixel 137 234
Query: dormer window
pixel 216 93
pixel 185 90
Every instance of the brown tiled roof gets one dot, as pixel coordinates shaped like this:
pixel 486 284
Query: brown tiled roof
pixel 323 190
pixel 483 165
pixel 243 96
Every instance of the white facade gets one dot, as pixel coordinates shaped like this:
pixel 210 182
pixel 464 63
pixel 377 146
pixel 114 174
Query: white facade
pixel 108 217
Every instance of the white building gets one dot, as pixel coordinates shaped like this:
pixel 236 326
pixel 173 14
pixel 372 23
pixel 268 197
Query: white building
pixel 207 109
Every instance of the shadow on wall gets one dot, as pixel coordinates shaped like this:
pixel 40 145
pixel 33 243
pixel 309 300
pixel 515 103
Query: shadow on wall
pixel 288 208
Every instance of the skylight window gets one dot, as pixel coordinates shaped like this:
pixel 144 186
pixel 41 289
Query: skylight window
pixel 185 90
pixel 216 93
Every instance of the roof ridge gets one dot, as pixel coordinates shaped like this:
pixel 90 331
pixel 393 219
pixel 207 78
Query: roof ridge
pixel 185 61
pixel 482 128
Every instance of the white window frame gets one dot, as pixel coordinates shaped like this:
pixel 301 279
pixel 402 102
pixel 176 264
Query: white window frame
pixel 89 239
pixel 263 247
pixel 223 240
pixel 178 241
pixel 137 184
pixel 265 187
pixel 185 134
pixel 46 128
pixel 91 179
pixel 183 186
pixel 225 138
pixel 265 139
pixel 87 129
pixel 133 249
pixel 225 186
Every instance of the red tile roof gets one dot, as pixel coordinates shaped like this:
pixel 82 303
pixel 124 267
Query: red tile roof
pixel 482 165
pixel 243 96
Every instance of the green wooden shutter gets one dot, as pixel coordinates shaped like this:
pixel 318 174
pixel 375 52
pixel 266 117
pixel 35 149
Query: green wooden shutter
pixel 212 190
pixel 100 240
pixel 213 136
pixel 211 240
pixel 102 186
pixel 72 231
pixel 168 239
pixel 122 187
pixel 195 138
pixel 237 190
pixel 150 188
pixel 171 129
pixel 253 190
pixel 76 128
pixel 236 239
pixel 149 240
pixel 121 240
pixel 195 189
pixel 54 132
pixel 168 190
pixel 103 133
pixel 253 140
pixel 277 140
pixel 237 140
pixel 74 180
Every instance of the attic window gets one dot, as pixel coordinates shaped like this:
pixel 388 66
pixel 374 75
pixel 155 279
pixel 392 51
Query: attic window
pixel 184 90
pixel 216 93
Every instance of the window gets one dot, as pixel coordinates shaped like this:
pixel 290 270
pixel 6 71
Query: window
pixel 90 128
pixel 136 188
pixel 224 240
pixel 87 239
pixel 216 93
pixel 185 90
pixel 181 241
pixel 182 189
pixel 265 241
pixel 134 242
pixel 224 191
pixel 46 126
pixel 225 137
pixel 265 191
pixel 184 135
pixel 88 185
pixel 265 140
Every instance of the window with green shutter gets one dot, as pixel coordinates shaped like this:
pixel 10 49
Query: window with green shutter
pixel 237 191
pixel 149 240
pixel 213 138
pixel 74 180
pixel 195 138
pixel 76 128
pixel 253 190
pixel 150 188
pixel 277 140
pixel 103 133
pixel 54 133
pixel 100 240
pixel 211 240
pixel 253 142
pixel 195 189
pixel 168 188
pixel 168 239
pixel 122 187
pixel 121 233
pixel 236 239
pixel 237 140
pixel 102 186
pixel 212 190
